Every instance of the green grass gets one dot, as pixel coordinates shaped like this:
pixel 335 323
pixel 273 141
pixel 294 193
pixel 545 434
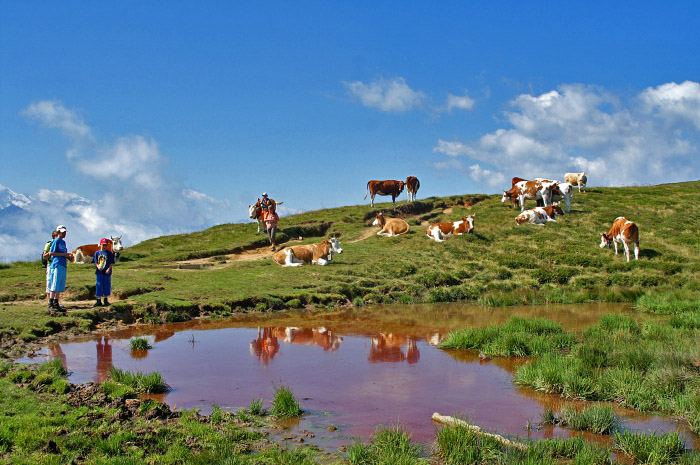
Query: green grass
pixel 285 403
pixel 597 419
pixel 256 406
pixel 652 449
pixel 389 446
pixel 149 383
pixel 140 343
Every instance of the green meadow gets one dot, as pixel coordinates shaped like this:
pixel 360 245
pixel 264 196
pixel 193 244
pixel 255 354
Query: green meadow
pixel 178 277
pixel 226 269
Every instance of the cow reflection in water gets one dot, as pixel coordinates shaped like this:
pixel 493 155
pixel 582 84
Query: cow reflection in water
pixel 388 347
pixel 266 346
pixel 55 351
pixel 104 358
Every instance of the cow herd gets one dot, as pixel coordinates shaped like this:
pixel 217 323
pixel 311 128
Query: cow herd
pixel 547 193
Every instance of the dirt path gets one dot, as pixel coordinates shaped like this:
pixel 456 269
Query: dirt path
pixel 365 235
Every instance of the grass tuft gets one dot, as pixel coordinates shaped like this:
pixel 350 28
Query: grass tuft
pixel 653 449
pixel 149 383
pixel 285 404
pixel 140 343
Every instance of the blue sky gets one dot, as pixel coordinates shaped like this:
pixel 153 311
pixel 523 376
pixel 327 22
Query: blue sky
pixel 160 117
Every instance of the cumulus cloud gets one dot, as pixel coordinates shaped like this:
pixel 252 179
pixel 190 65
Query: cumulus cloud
pixel 457 102
pixel 390 95
pixel 651 138
pixel 139 199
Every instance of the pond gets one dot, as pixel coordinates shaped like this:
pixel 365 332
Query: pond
pixel 351 370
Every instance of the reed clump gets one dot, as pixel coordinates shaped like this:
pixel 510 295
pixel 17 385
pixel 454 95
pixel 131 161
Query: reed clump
pixel 652 449
pixel 597 419
pixel 149 383
pixel 140 343
pixel 285 403
pixel 391 445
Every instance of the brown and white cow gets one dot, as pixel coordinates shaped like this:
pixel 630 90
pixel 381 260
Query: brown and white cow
pixel 390 226
pixel 577 179
pixel 539 215
pixel 84 253
pixel 388 187
pixel 444 230
pixel 529 190
pixel 624 231
pixel 412 186
pixel 255 211
pixel 312 254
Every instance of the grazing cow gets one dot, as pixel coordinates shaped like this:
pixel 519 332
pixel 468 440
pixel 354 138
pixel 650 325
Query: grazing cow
pixel 392 188
pixel 255 211
pixel 577 179
pixel 624 231
pixel 564 190
pixel 412 186
pixel 316 254
pixel 390 226
pixel 84 253
pixel 444 230
pixel 529 190
pixel 539 215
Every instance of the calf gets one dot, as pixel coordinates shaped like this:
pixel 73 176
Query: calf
pixel 539 216
pixel 412 186
pixel 624 231
pixel 577 179
pixel 390 226
pixel 444 230
pixel 316 254
pixel 390 187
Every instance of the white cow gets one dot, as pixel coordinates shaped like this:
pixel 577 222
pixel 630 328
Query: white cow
pixel 566 192
pixel 577 179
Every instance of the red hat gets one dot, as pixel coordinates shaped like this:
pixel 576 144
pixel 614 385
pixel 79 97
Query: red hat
pixel 104 241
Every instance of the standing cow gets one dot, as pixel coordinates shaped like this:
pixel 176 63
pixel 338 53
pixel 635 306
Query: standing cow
pixel 389 187
pixel 412 186
pixel 577 179
pixel 624 231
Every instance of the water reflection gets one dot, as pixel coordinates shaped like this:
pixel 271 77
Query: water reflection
pixel 393 348
pixel 352 369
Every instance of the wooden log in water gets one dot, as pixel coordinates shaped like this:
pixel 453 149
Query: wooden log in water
pixel 446 420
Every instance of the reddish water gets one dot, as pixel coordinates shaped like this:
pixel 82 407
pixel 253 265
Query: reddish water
pixel 354 371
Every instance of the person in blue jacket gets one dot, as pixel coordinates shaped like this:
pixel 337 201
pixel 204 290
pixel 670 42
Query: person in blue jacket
pixel 103 260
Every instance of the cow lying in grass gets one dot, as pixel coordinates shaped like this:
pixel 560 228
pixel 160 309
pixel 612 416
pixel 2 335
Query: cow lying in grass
pixel 390 226
pixel 539 216
pixel 444 230
pixel 624 231
pixel 312 254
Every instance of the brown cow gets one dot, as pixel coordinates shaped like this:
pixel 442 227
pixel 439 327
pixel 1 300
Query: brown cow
pixel 84 253
pixel 316 254
pixel 389 187
pixel 390 226
pixel 624 231
pixel 444 230
pixel 530 190
pixel 412 186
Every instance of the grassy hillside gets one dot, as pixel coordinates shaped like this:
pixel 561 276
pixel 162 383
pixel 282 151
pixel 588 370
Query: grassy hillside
pixel 174 277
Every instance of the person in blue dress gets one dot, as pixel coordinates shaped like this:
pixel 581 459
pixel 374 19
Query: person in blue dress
pixel 59 266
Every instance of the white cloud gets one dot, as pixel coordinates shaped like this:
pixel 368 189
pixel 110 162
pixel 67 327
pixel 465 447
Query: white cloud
pixel 482 176
pixel 53 114
pixel 390 95
pixel 674 101
pixel 139 200
pixel 463 102
pixel 578 127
